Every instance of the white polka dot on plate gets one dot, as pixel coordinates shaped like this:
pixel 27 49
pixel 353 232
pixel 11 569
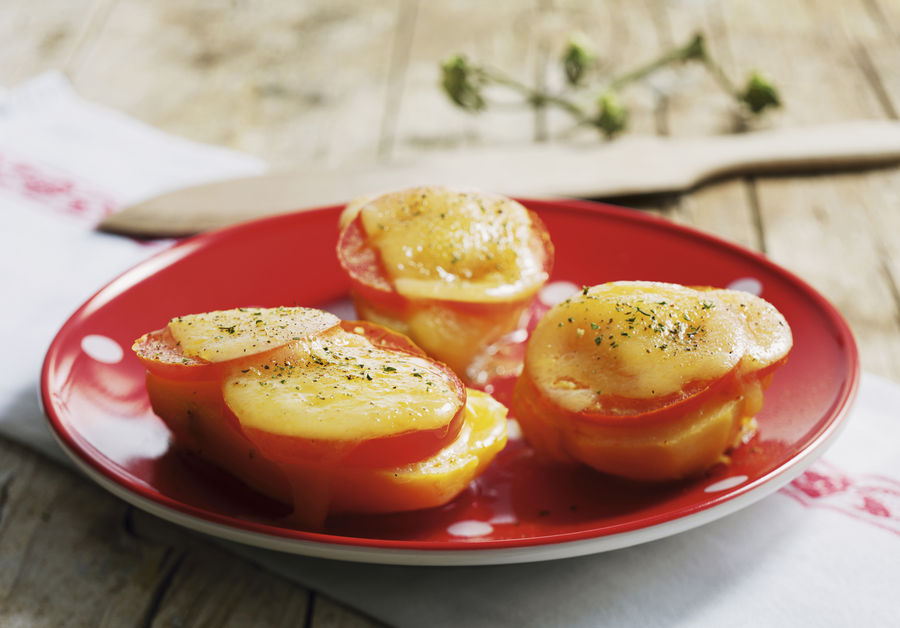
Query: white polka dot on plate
pixel 102 348
pixel 557 292
pixel 747 284
pixel 470 528
pixel 727 483
pixel 513 430
pixel 342 308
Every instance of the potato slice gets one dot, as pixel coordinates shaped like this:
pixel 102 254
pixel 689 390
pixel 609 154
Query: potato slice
pixel 224 335
pixel 768 334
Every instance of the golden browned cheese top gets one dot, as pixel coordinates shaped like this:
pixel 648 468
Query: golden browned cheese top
pixel 645 340
pixel 338 386
pixel 436 242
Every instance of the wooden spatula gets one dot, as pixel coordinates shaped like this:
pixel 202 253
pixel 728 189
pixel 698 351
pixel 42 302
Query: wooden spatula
pixel 632 165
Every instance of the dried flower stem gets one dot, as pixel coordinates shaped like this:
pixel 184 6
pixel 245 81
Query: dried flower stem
pixel 464 82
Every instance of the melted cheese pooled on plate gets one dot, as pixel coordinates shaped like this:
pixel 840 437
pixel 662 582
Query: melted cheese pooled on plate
pixel 227 334
pixel 437 243
pixel 340 387
pixel 633 340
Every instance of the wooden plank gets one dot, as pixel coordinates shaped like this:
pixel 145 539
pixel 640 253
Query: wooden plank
pixel 75 555
pixel 830 241
pixel 212 588
pixel 67 558
pixel 36 40
pixel 885 15
pixel 884 214
pixel 208 586
pixel 693 104
pixel 874 33
pixel 500 36
pixel 330 614
pixel 807 58
pixel 290 82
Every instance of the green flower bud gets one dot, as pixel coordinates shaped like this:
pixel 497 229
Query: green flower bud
pixel 696 48
pixel 612 116
pixel 461 83
pixel 759 94
pixel 577 58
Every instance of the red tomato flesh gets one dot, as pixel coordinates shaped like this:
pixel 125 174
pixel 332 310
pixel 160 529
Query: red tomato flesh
pixel 162 355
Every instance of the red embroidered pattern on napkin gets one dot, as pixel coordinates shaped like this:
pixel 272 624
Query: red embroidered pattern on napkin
pixel 873 499
pixel 54 190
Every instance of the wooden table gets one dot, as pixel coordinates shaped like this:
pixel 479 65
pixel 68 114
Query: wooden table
pixel 349 81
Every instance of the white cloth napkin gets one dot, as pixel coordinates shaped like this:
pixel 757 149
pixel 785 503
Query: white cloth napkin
pixel 824 551
pixel 65 164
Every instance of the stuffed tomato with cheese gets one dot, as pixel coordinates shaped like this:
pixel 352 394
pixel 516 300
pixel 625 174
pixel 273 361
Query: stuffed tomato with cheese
pixel 454 270
pixel 646 380
pixel 328 416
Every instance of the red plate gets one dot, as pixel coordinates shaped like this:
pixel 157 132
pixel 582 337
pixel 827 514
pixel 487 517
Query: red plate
pixel 93 392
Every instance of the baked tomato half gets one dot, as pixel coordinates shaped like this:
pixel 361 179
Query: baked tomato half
pixel 323 407
pixel 455 270
pixel 648 380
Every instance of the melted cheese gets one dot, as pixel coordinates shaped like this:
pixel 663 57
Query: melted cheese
pixel 768 334
pixel 613 347
pixel 484 428
pixel 227 334
pixel 637 340
pixel 437 243
pixel 339 387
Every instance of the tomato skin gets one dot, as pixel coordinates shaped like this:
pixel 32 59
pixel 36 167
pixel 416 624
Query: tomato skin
pixel 658 411
pixel 193 410
pixel 380 453
pixel 161 355
pixel 375 475
pixel 363 265
pixel 395 451
pixel 454 332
